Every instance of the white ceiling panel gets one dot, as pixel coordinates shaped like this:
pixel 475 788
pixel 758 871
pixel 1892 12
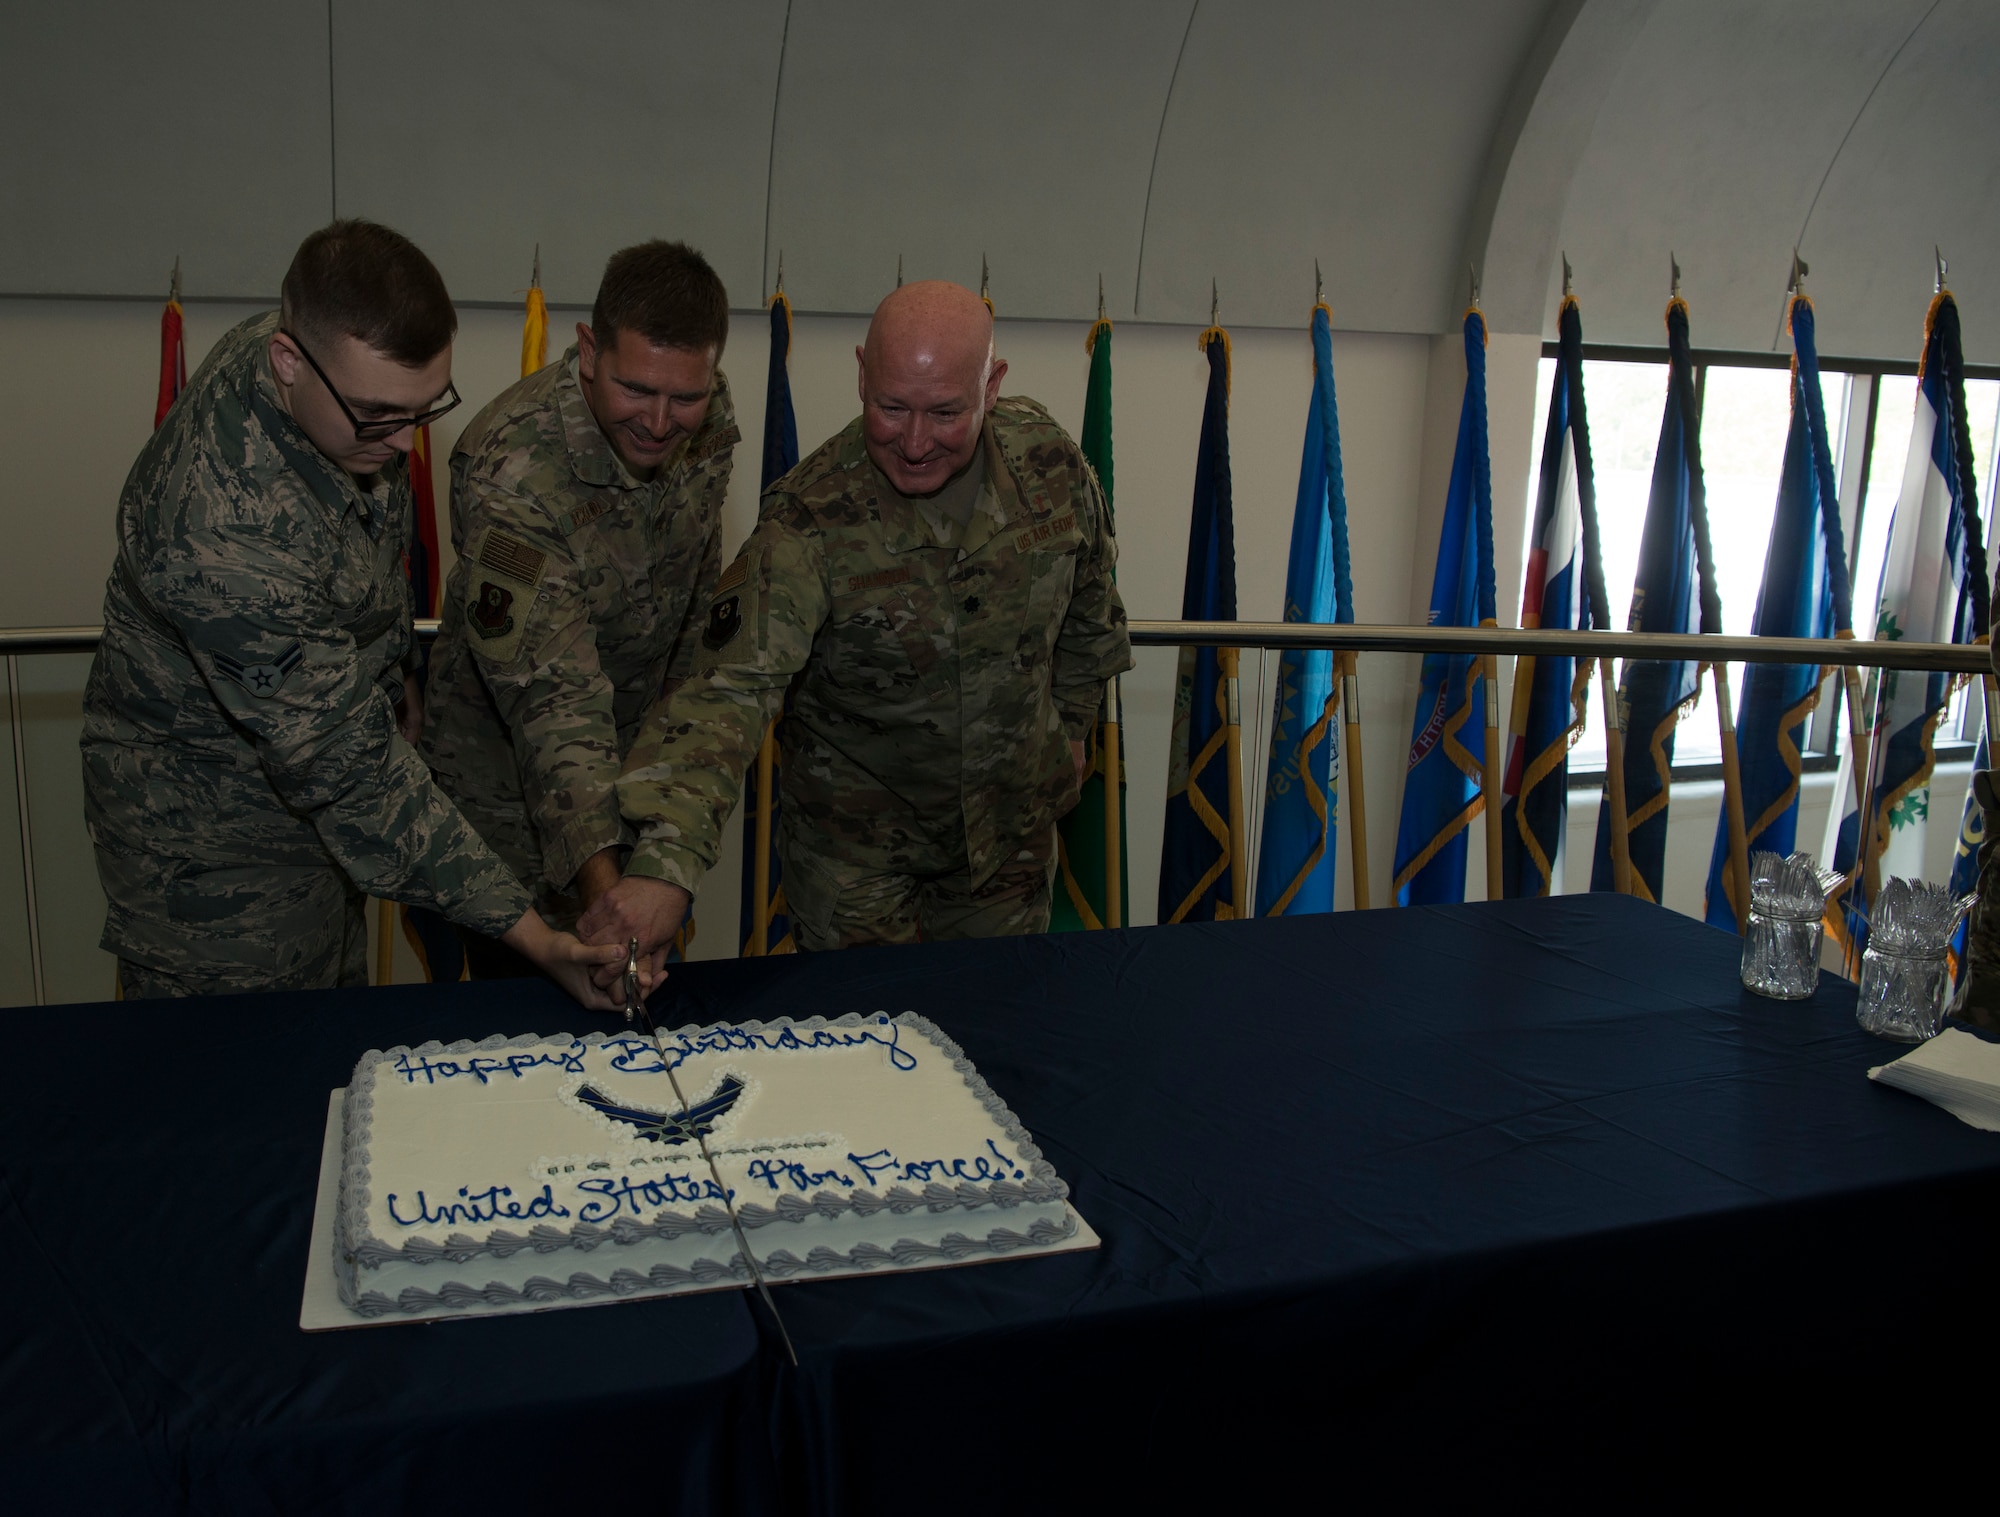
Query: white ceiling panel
pixel 938 132
pixel 483 127
pixel 1352 133
pixel 1712 144
pixel 135 133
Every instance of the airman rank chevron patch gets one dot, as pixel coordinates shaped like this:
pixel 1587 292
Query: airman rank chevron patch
pixel 512 559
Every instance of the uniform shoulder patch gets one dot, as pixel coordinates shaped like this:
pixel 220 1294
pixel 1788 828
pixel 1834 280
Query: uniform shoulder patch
pixel 510 558
pixel 733 576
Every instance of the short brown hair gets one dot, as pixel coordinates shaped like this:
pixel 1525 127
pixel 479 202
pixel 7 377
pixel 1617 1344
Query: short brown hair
pixel 667 293
pixel 358 279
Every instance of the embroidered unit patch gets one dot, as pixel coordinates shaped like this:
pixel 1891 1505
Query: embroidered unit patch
pixel 261 679
pixel 491 612
pixel 725 620
pixel 510 558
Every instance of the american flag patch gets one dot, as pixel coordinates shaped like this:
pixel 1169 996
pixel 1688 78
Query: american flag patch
pixel 511 558
pixel 733 576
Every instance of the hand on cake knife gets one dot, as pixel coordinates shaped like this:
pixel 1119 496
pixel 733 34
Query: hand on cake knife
pixel 635 1006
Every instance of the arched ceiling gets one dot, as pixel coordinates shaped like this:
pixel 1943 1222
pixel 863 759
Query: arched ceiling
pixel 1158 143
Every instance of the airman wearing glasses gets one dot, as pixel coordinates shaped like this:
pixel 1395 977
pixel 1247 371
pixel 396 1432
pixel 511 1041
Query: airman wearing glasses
pixel 245 779
pixel 586 513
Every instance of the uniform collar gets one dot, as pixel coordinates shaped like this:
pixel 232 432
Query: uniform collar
pixel 595 462
pixel 1000 501
pixel 332 485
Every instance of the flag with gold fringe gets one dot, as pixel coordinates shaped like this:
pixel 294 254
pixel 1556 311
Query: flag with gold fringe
pixel 781 453
pixel 1441 793
pixel 1199 854
pixel 1934 589
pixel 1652 693
pixel 1550 693
pixel 1090 845
pixel 1804 594
pixel 1296 858
pixel 535 325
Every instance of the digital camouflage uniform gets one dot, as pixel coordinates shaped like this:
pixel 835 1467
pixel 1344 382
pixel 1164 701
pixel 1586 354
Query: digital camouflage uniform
pixel 578 594
pixel 244 782
pixel 941 673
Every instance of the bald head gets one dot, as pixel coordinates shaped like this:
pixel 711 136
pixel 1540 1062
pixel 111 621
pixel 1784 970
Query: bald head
pixel 927 376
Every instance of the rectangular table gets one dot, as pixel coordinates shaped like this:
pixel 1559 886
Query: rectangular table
pixel 1502 1200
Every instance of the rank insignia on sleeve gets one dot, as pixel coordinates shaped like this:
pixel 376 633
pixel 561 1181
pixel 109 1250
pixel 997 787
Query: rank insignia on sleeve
pixel 261 679
pixel 491 611
pixel 725 620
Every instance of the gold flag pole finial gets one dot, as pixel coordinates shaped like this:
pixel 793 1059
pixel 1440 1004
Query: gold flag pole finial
pixel 175 287
pixel 1100 297
pixel 982 277
pixel 899 271
pixel 1214 302
pixel 1800 268
pixel 1674 281
pixel 535 279
pixel 1568 293
pixel 1937 252
pixel 1319 286
pixel 1473 275
pixel 781 273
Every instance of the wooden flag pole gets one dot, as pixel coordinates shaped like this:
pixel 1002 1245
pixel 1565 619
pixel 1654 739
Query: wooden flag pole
pixel 1614 781
pixel 1489 785
pixel 760 868
pixel 1732 795
pixel 1350 764
pixel 385 942
pixel 1233 756
pixel 1114 821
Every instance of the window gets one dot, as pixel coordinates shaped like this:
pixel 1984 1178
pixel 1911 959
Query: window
pixel 1745 415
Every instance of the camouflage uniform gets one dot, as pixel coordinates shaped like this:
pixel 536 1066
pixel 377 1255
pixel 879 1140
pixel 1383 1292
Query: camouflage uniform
pixel 941 672
pixel 243 779
pixel 577 596
pixel 1977 998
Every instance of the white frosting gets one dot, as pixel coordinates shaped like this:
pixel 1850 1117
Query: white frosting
pixel 479 1174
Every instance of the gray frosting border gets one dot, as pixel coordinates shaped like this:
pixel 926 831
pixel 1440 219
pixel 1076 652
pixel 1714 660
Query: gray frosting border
pixel 355 1248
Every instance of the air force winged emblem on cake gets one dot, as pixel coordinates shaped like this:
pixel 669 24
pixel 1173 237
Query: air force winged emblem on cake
pixel 847 1146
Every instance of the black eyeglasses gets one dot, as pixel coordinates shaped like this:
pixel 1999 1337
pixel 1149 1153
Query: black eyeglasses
pixel 388 426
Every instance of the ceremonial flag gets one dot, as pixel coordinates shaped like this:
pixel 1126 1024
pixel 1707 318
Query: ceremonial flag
pixel 535 325
pixel 1296 861
pixel 1934 589
pixel 1804 594
pixel 173 355
pixel 1550 694
pixel 1653 692
pixel 423 565
pixel 1441 792
pixel 781 453
pixel 1198 848
pixel 1083 844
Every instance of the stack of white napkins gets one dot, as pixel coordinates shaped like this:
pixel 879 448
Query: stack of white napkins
pixel 1957 1070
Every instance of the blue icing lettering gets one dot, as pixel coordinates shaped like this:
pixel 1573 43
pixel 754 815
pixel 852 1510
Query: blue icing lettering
pixel 483 1069
pixel 642 1195
pixel 771 1171
pixel 493 1204
pixel 640 1056
pixel 978 1170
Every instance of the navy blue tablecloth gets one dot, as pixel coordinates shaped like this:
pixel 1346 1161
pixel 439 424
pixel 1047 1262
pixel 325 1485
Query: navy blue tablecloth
pixel 1515 1202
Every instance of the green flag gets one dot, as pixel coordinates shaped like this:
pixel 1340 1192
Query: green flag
pixel 1084 842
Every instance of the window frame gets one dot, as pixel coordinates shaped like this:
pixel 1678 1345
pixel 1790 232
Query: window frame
pixel 1822 751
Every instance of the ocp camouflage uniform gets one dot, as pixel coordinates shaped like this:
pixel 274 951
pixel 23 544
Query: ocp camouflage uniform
pixel 244 782
pixel 1977 998
pixel 941 673
pixel 576 598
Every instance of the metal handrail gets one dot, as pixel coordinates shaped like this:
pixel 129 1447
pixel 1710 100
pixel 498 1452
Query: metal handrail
pixel 1947 658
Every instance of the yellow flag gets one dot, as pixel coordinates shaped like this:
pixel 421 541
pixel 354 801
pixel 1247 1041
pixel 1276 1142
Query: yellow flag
pixel 535 333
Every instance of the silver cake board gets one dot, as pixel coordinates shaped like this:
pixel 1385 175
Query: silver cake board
pixel 321 1309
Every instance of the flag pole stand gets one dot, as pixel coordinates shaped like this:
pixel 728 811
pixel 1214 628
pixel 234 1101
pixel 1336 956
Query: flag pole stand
pixel 1732 796
pixel 1614 781
pixel 1113 770
pixel 760 869
pixel 1233 756
pixel 1350 762
pixel 1490 781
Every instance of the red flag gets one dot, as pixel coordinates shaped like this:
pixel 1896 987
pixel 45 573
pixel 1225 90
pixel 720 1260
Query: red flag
pixel 173 361
pixel 424 583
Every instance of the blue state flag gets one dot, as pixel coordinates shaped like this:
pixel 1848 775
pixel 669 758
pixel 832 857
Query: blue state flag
pixel 1296 860
pixel 1197 874
pixel 1550 692
pixel 781 453
pixel 1934 589
pixel 1441 792
pixel 1804 594
pixel 1652 692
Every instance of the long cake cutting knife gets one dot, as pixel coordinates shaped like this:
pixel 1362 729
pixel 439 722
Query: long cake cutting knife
pixel 635 1006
